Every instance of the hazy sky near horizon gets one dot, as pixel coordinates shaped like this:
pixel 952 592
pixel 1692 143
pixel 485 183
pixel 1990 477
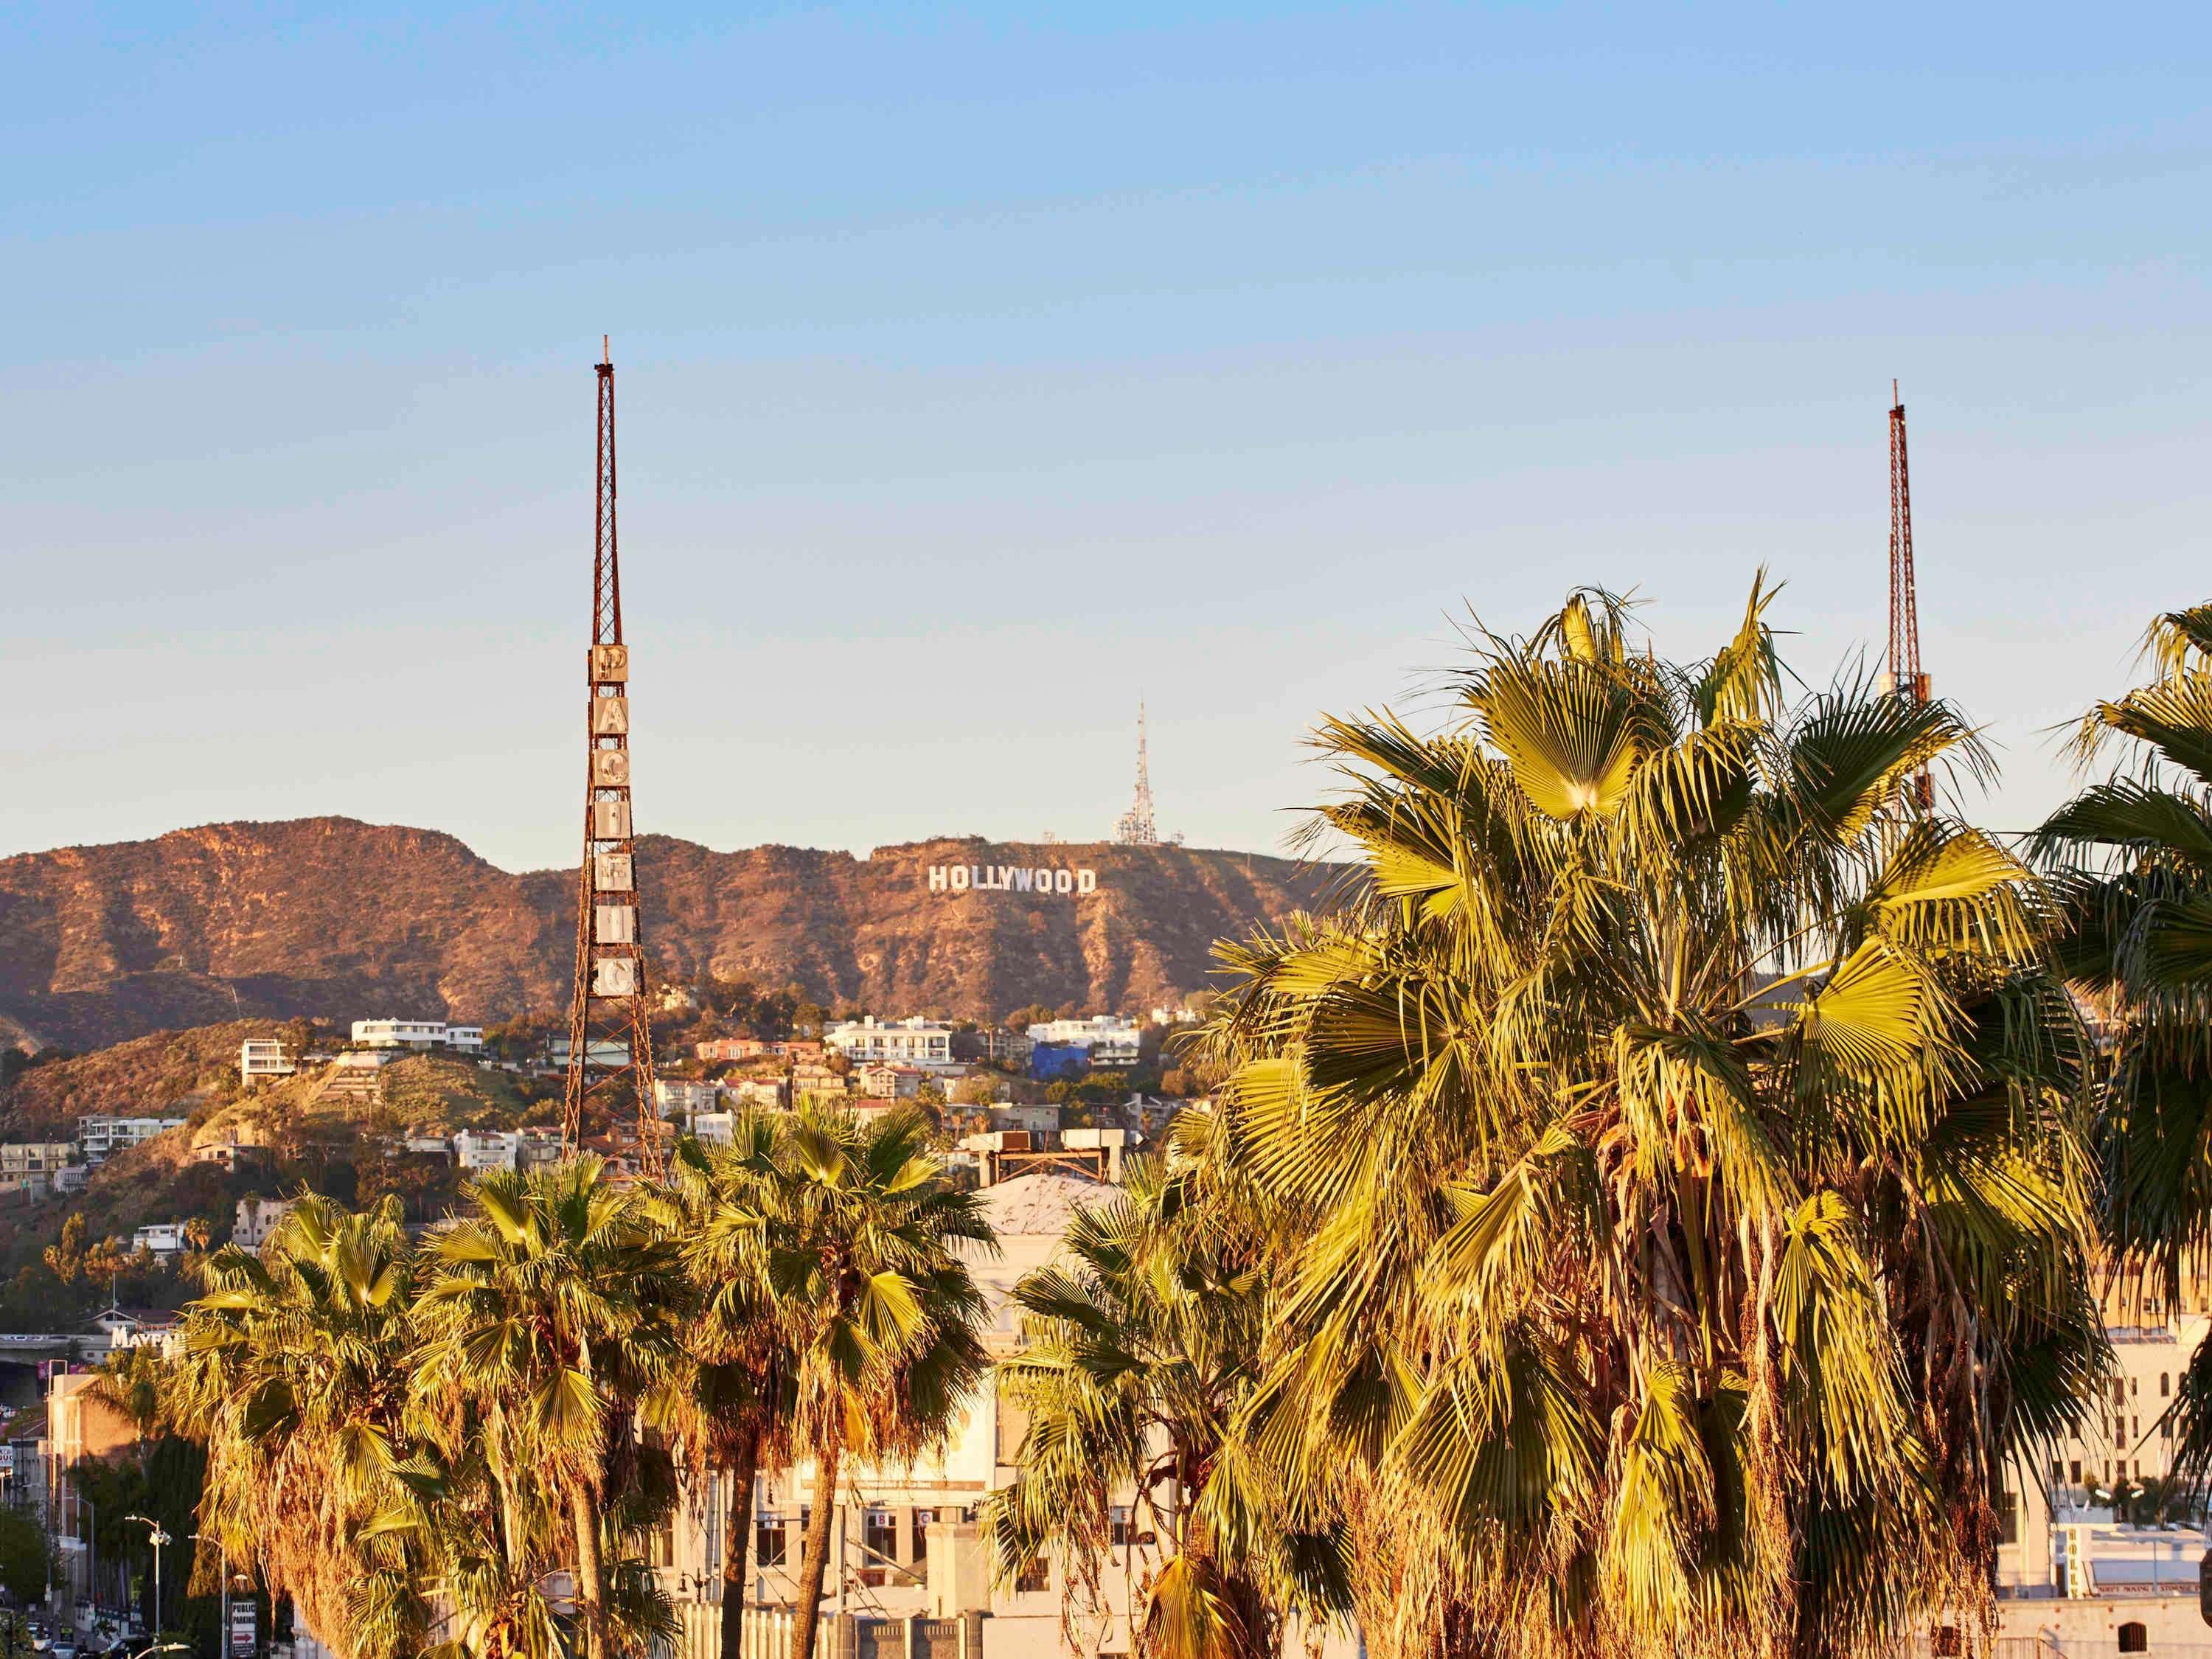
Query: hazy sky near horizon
pixel 982 369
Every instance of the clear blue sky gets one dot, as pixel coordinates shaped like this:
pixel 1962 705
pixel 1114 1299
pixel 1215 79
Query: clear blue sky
pixel 983 369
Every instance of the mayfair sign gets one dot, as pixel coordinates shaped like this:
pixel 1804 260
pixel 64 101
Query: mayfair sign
pixel 1006 879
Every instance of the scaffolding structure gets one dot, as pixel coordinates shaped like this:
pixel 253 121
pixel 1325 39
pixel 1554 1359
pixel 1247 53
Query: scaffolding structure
pixel 610 1038
pixel 1905 677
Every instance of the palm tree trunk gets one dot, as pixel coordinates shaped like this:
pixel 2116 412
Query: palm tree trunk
pixel 817 1557
pixel 591 1572
pixel 735 1549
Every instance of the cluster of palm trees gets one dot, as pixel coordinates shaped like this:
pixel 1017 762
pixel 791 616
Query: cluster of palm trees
pixel 1653 1202
pixel 462 1445
pixel 1648 1208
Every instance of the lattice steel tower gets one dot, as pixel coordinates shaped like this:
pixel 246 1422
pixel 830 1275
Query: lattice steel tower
pixel 1136 828
pixel 1906 678
pixel 610 1040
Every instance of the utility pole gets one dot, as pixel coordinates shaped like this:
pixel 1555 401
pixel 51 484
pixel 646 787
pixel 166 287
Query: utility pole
pixel 606 1010
pixel 1906 678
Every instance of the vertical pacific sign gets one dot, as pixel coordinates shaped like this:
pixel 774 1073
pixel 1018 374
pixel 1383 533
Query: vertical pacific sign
pixel 1010 879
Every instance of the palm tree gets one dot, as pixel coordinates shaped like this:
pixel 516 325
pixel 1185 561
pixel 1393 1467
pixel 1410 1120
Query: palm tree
pixel 2134 856
pixel 1678 1152
pixel 296 1379
pixel 1144 1348
pixel 731 1415
pixel 549 1311
pixel 866 1237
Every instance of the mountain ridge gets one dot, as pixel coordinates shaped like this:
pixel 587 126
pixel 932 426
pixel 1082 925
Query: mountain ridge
pixel 335 918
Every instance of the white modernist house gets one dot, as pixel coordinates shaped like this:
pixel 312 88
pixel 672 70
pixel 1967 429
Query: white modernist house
pixel 916 1041
pixel 163 1238
pixel 101 1135
pixel 488 1149
pixel 261 1058
pixel 1111 1039
pixel 417 1034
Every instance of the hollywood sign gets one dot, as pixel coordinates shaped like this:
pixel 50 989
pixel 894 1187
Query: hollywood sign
pixel 1006 879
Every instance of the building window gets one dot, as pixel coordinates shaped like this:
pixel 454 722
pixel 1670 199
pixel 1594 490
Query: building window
pixel 879 1545
pixel 1036 1576
pixel 2008 1517
pixel 768 1541
pixel 1118 1529
pixel 923 1520
pixel 2134 1636
pixel 2165 1385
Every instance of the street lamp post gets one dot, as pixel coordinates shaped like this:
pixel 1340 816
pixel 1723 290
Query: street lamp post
pixel 159 1538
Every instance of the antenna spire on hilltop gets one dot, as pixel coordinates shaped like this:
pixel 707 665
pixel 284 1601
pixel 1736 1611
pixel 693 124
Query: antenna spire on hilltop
pixel 1906 678
pixel 1137 828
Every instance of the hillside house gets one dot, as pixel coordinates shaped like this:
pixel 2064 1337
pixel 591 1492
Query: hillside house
pixel 257 1218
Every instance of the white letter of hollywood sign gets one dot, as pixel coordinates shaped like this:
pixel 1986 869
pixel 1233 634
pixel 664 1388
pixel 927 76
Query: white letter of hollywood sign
pixel 1006 879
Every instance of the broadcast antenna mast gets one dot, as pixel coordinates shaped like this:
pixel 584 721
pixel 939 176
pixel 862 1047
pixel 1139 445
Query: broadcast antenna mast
pixel 1906 678
pixel 610 1041
pixel 1136 828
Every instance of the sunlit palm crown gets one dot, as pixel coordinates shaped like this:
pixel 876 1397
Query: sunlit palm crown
pixel 1677 1148
pixel 2133 859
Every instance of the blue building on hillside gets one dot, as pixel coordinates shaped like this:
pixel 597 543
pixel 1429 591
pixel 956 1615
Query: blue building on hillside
pixel 1048 1060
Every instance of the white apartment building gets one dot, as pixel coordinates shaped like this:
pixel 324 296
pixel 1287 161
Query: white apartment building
pixel 263 1059
pixel 916 1041
pixel 256 1219
pixel 682 1098
pixel 34 1158
pixel 715 1128
pixel 478 1150
pixel 1111 1040
pixel 100 1136
pixel 417 1034
pixel 2068 1565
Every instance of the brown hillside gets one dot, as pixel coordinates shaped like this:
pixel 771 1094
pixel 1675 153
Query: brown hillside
pixel 336 919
